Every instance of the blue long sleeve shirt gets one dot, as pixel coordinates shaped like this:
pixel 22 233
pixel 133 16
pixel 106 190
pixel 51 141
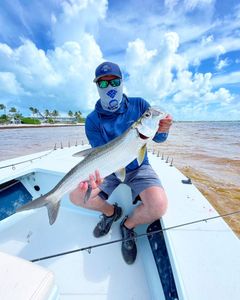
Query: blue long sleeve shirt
pixel 103 126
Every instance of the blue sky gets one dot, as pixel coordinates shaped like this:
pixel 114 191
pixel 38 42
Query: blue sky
pixel 183 55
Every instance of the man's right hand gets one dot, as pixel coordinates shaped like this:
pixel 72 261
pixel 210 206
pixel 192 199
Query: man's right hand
pixel 78 194
pixel 94 182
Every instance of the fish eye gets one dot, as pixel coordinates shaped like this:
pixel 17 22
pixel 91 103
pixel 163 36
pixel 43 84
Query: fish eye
pixel 147 114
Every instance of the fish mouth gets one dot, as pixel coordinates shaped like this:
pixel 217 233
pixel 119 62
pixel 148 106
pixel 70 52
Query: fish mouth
pixel 142 136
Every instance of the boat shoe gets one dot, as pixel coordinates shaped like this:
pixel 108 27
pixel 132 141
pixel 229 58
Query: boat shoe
pixel 103 227
pixel 129 248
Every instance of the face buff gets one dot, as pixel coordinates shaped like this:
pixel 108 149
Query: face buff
pixel 111 97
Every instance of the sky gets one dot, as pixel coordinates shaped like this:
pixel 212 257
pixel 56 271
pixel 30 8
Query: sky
pixel 181 55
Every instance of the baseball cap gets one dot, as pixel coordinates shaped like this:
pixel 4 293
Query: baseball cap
pixel 107 68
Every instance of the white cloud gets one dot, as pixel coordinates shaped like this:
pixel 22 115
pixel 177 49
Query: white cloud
pixel 77 18
pixel 207 40
pixel 61 77
pixel 189 5
pixel 193 4
pixel 156 59
pixel 230 78
pixel 222 63
pixel 161 74
pixel 9 85
pixel 153 68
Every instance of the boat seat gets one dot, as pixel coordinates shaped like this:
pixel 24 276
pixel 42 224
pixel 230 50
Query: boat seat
pixel 23 280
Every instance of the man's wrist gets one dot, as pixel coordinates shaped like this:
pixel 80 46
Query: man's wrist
pixel 160 137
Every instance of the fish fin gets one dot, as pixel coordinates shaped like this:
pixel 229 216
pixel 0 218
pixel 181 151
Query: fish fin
pixel 121 174
pixel 88 193
pixel 53 209
pixel 141 154
pixel 83 152
pixel 47 200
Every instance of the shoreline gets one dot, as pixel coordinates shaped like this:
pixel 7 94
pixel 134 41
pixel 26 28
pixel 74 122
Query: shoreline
pixel 17 126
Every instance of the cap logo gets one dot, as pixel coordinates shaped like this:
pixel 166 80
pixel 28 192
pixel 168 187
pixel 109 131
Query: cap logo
pixel 105 68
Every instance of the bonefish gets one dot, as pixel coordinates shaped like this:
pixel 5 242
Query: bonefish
pixel 110 158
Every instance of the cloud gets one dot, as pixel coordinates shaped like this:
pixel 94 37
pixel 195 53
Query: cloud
pixel 60 77
pixel 77 18
pixel 189 5
pixel 222 64
pixel 153 68
pixel 163 78
pixel 9 85
pixel 230 78
pixel 157 51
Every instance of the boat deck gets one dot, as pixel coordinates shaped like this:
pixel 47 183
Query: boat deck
pixel 101 274
pixel 205 256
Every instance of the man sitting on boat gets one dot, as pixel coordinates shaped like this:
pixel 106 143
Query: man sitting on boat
pixel 113 114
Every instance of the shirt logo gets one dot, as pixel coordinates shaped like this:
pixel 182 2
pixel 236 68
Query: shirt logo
pixel 112 93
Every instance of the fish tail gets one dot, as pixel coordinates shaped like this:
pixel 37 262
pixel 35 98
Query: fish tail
pixel 50 201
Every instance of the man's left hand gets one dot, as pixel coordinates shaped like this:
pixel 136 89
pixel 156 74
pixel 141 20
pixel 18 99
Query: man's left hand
pixel 165 124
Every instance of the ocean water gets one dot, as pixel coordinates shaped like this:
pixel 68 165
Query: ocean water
pixel 207 152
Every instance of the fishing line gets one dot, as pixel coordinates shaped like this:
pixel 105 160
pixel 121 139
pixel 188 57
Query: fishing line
pixel 89 248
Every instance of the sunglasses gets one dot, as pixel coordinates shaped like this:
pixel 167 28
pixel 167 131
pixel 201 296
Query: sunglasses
pixel 105 83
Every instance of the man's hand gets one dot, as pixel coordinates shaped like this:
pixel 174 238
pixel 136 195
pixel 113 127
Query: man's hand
pixel 165 124
pixel 94 182
pixel 77 195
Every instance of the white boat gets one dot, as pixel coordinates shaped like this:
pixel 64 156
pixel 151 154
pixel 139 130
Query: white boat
pixel 196 261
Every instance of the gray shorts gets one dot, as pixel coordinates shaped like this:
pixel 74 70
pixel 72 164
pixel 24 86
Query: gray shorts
pixel 138 180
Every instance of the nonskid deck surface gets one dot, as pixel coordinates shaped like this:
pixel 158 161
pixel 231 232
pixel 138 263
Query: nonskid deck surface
pixel 102 274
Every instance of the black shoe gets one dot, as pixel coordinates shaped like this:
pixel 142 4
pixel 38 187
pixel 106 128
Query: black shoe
pixel 129 248
pixel 103 227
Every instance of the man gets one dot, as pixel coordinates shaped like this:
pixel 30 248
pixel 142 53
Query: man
pixel 113 114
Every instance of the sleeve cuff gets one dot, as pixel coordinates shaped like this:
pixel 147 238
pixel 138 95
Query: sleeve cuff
pixel 160 137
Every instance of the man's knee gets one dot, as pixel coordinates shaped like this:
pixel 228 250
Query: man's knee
pixel 156 200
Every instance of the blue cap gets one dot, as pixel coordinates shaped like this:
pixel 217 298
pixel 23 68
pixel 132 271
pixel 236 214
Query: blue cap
pixel 107 68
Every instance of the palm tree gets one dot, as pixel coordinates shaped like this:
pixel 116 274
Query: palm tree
pixel 70 113
pixel 40 114
pixel 78 116
pixel 12 110
pixel 32 111
pixel 47 113
pixel 2 106
pixel 4 117
pixel 55 114
pixel 35 111
pixel 12 114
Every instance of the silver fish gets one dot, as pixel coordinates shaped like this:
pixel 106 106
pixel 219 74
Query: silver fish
pixel 109 158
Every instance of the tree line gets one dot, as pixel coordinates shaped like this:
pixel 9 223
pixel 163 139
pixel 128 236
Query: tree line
pixel 48 116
